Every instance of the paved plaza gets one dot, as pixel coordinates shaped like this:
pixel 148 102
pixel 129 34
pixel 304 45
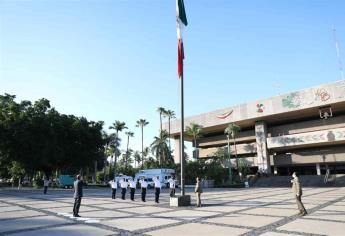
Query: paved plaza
pixel 256 211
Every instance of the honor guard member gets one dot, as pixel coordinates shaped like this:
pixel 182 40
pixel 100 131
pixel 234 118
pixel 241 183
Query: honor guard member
pixel 132 186
pixel 124 186
pixel 78 194
pixel 143 185
pixel 157 188
pixel 171 182
pixel 113 185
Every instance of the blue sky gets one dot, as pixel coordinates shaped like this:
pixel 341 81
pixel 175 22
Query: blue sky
pixel 116 59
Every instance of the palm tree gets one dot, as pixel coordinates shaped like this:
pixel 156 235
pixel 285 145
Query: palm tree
pixel 171 115
pixel 141 123
pixel 194 130
pixel 232 130
pixel 161 111
pixel 118 126
pixel 137 157
pixel 129 134
pixel 160 149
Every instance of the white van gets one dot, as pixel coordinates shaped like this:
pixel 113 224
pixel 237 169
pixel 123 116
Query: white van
pixel 163 175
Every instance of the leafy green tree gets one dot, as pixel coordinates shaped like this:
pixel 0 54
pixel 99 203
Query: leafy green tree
pixel 194 130
pixel 142 123
pixel 128 154
pixel 161 111
pixel 232 130
pixel 118 126
pixel 160 149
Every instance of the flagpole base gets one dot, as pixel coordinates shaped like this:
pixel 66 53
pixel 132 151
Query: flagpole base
pixel 179 201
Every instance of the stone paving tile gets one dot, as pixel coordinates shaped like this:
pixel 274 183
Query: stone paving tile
pixel 11 208
pixel 117 205
pixel 328 215
pixel 18 214
pixel 244 220
pixel 147 209
pixel 186 214
pixel 70 230
pixel 104 214
pixel 271 211
pixel 137 223
pixel 70 209
pixel 221 208
pixel 315 227
pixel 334 208
pixel 50 205
pixel 195 229
pixel 29 223
pixel 277 234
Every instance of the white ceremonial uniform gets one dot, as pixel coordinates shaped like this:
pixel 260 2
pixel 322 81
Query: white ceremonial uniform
pixel 171 182
pixel 157 189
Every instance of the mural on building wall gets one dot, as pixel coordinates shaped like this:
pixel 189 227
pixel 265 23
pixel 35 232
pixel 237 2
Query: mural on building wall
pixel 322 95
pixel 292 100
pixel 224 114
pixel 260 107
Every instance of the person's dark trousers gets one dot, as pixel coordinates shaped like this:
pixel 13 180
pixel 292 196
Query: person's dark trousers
pixel 143 194
pixel 45 189
pixel 158 191
pixel 132 193
pixel 123 193
pixel 113 193
pixel 172 192
pixel 300 205
pixel 77 202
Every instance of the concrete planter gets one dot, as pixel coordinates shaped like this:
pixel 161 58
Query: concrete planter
pixel 178 201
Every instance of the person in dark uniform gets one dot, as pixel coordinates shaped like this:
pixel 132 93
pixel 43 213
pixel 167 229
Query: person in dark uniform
pixel 78 194
pixel 297 191
pixel 143 184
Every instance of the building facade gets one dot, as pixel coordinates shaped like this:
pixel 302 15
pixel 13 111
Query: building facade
pixel 300 131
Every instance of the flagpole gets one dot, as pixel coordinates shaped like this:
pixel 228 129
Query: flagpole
pixel 182 135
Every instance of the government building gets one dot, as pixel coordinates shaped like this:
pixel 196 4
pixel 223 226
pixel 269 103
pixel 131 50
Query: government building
pixel 300 131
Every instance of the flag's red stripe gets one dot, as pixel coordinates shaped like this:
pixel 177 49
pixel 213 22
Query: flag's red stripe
pixel 180 58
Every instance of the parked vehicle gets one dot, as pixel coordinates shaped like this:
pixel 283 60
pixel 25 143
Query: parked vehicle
pixel 163 174
pixel 120 177
pixel 65 181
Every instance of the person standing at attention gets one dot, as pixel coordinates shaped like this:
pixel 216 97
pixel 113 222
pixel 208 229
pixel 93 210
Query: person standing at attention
pixel 124 186
pixel 78 194
pixel 113 185
pixel 46 183
pixel 157 188
pixel 132 186
pixel 171 182
pixel 198 191
pixel 143 185
pixel 297 191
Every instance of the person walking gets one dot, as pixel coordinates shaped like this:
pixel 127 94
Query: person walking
pixel 78 194
pixel 143 185
pixel 113 184
pixel 198 191
pixel 132 186
pixel 46 183
pixel 157 188
pixel 171 182
pixel 297 191
pixel 124 186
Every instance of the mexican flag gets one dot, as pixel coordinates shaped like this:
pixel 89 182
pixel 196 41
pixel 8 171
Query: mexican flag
pixel 181 19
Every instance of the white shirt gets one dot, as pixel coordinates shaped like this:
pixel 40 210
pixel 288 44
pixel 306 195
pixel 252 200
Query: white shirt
pixel 123 184
pixel 171 183
pixel 113 184
pixel 46 183
pixel 157 183
pixel 132 184
pixel 143 183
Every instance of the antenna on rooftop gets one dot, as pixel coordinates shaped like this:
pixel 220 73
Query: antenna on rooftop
pixel 338 53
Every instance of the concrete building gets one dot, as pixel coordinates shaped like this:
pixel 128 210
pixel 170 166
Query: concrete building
pixel 300 131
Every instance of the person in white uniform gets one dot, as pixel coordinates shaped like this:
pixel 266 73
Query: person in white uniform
pixel 132 186
pixel 113 185
pixel 124 186
pixel 46 183
pixel 143 185
pixel 157 188
pixel 171 182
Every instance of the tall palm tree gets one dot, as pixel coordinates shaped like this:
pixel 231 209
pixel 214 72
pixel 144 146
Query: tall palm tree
pixel 171 115
pixel 160 149
pixel 141 123
pixel 194 130
pixel 161 111
pixel 129 134
pixel 118 126
pixel 137 157
pixel 232 130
